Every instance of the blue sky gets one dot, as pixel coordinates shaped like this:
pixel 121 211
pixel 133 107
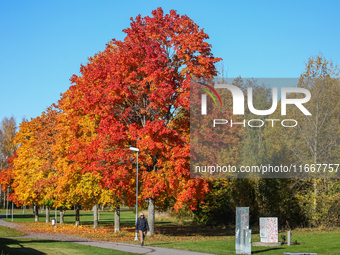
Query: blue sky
pixel 43 43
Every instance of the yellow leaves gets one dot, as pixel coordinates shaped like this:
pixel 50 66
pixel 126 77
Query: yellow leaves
pixel 31 170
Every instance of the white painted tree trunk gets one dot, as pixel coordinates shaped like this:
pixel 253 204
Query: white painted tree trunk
pixel 77 215
pixel 151 217
pixel 95 216
pixel 36 213
pixel 117 219
pixel 62 212
pixel 47 214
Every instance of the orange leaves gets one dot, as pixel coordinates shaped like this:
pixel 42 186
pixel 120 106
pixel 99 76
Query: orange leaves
pixel 32 172
pixel 149 109
pixel 134 93
pixel 163 233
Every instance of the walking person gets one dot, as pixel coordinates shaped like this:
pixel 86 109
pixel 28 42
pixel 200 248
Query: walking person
pixel 142 225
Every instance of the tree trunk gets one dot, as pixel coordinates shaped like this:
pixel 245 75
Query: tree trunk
pixel 5 199
pixel 117 219
pixel 315 184
pixel 77 215
pixel 95 216
pixel 151 219
pixel 36 213
pixel 47 214
pixel 0 194
pixel 62 212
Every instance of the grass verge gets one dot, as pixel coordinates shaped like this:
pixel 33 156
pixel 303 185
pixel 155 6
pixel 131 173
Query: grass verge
pixel 39 247
pixel 184 235
pixel 317 241
pixel 10 232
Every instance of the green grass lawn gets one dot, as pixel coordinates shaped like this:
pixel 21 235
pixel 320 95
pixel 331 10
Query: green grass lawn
pixel 10 232
pixel 188 236
pixel 86 217
pixel 33 246
pixel 320 243
pixel 37 247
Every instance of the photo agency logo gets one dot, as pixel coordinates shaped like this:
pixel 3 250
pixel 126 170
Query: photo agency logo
pixel 239 99
pixel 237 127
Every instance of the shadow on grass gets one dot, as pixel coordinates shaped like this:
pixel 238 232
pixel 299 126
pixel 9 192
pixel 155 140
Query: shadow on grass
pixel 166 227
pixel 108 223
pixel 16 247
pixel 25 216
pixel 172 228
pixel 190 229
pixel 270 249
pixel 193 229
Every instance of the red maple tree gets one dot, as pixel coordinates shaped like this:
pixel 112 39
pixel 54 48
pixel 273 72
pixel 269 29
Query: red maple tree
pixel 140 89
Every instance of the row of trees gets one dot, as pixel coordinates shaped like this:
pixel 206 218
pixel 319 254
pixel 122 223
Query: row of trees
pixel 7 148
pixel 134 93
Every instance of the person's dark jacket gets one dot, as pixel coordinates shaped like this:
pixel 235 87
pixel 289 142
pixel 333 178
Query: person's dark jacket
pixel 142 224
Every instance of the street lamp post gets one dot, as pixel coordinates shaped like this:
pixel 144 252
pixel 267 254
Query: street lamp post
pixel 56 210
pixel 12 209
pixel 7 203
pixel 137 150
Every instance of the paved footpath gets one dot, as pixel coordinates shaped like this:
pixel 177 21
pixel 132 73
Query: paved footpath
pixel 86 241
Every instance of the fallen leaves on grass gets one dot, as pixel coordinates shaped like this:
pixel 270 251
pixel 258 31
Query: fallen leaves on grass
pixel 106 233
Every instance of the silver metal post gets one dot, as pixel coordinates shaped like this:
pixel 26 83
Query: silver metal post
pixel 136 150
pixel 136 237
pixel 12 209
pixel 7 204
pixel 56 214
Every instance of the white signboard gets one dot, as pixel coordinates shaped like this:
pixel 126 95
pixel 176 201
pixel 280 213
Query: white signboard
pixel 269 230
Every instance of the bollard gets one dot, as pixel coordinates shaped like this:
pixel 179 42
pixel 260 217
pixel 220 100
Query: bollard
pixel 288 238
pixel 247 241
pixel 12 209
pixel 242 224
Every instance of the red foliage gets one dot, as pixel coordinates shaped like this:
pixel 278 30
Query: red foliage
pixel 140 89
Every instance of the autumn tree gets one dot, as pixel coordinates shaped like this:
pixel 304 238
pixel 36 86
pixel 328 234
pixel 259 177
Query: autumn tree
pixel 76 130
pixel 315 140
pixel 7 134
pixel 140 89
pixel 319 133
pixel 32 172
pixel 7 147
